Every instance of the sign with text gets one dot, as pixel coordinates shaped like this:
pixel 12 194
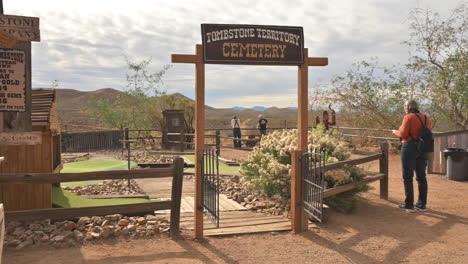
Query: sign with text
pixel 252 44
pixel 20 138
pixel 23 28
pixel 12 80
pixel 7 40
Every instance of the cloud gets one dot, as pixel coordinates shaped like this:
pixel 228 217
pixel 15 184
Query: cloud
pixel 84 42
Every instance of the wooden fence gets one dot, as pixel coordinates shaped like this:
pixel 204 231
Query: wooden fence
pixel 92 141
pixel 177 172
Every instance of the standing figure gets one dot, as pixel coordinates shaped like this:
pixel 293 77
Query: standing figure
pixel 262 125
pixel 412 156
pixel 236 131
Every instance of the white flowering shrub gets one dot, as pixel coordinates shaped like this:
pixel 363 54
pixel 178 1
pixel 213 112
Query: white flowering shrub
pixel 267 171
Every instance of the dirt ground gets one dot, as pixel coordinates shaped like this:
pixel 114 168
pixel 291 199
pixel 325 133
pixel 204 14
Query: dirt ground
pixel 376 232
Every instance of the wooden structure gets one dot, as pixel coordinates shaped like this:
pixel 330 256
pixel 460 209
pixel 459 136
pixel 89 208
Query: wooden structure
pixel 40 158
pixel 92 141
pixel 2 229
pixel 443 140
pixel 176 172
pixel 303 86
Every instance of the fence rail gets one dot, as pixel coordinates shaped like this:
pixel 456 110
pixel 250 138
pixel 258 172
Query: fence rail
pixel 176 172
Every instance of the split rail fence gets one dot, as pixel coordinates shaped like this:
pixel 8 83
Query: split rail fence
pixel 176 172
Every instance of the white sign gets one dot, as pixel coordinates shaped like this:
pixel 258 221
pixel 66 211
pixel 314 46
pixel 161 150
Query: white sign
pixel 12 80
pixel 20 138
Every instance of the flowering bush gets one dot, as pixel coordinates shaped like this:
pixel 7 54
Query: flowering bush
pixel 267 171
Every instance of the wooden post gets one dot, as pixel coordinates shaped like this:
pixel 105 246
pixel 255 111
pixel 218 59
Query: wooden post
pixel 383 168
pixel 182 141
pixel 176 196
pixel 218 143
pixel 299 219
pixel 199 137
pixel 123 138
pixel 164 139
pixel 127 145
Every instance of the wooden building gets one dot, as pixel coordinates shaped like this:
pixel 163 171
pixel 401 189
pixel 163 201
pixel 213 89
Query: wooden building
pixel 44 157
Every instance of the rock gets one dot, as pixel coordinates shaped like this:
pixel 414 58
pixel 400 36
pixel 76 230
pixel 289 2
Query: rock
pixel 123 222
pixel 131 228
pixel 69 226
pixel 107 232
pixel 78 235
pixel 118 232
pixel 58 238
pixel 105 223
pixel 95 235
pixel 84 220
pixel 25 244
pixel 151 218
pixel 96 229
pixel 13 243
pixel 88 237
pixel 114 218
pixel 141 220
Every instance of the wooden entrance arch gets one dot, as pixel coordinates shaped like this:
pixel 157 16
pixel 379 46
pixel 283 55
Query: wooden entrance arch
pixel 299 219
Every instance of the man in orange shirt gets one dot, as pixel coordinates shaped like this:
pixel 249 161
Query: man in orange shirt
pixel 412 159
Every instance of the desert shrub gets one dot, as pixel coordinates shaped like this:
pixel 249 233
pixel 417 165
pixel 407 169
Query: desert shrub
pixel 267 171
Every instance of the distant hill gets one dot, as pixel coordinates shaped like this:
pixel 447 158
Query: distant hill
pixel 72 105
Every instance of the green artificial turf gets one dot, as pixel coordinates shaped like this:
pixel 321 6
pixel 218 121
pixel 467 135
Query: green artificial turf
pixel 223 168
pixel 65 199
pixel 93 165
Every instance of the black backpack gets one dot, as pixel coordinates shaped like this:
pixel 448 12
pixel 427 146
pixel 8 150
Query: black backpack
pixel 426 140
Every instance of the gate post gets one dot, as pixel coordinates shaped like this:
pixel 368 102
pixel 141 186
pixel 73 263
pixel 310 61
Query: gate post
pixel 299 221
pixel 383 168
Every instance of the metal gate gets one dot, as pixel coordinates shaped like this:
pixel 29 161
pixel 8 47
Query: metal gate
pixel 210 185
pixel 312 183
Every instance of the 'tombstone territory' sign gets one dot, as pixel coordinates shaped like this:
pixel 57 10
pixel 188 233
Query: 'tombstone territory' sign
pixel 23 28
pixel 12 80
pixel 252 44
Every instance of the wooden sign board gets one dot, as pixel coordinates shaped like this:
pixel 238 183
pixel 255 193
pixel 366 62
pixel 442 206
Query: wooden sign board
pixel 20 138
pixel 7 40
pixel 22 27
pixel 12 80
pixel 252 44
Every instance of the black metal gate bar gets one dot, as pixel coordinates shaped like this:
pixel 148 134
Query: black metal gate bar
pixel 210 185
pixel 312 183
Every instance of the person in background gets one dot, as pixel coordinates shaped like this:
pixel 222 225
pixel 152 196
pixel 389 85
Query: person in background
pixel 412 158
pixel 236 131
pixel 262 125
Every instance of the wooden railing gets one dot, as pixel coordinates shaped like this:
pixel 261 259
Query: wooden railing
pixel 176 172
pixel 381 176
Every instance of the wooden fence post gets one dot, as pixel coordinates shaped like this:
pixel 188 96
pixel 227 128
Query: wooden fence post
pixel 218 143
pixel 299 221
pixel 383 168
pixel 127 145
pixel 164 140
pixel 182 141
pixel 176 196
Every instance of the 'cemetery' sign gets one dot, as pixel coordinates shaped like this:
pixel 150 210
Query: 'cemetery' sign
pixel 12 80
pixel 22 27
pixel 252 44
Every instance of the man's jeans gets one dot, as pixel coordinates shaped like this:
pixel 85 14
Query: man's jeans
pixel 237 134
pixel 413 160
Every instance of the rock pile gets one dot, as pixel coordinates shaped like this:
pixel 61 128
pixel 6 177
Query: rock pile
pixel 110 187
pixel 69 233
pixel 232 187
pixel 145 157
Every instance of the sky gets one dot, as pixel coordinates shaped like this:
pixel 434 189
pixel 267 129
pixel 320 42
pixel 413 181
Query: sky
pixel 84 43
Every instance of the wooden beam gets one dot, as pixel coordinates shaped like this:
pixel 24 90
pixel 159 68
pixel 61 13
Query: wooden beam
pixel 67 213
pixel 183 58
pixel 337 165
pixel 86 176
pixel 199 137
pixel 317 61
pixel 350 186
pixel 298 216
pixel 176 196
pixel 383 168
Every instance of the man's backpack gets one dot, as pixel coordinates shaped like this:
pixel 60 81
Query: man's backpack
pixel 426 140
